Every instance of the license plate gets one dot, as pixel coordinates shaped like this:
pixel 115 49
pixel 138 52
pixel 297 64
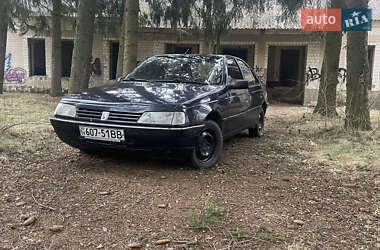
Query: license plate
pixel 102 134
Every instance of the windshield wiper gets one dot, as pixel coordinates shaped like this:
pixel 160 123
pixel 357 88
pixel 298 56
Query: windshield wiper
pixel 181 81
pixel 131 79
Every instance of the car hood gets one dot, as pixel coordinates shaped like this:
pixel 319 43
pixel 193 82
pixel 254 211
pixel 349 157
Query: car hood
pixel 145 93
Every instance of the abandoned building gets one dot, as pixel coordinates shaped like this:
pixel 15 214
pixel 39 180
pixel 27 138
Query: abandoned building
pixel 286 58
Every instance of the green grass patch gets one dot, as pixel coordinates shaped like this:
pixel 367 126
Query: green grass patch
pixel 203 218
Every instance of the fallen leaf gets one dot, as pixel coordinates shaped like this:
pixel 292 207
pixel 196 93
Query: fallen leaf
pixel 20 204
pixel 56 228
pixel 104 193
pixel 30 221
pixel 162 205
pixel 299 222
pixel 134 245
pixel 362 209
pixel 163 242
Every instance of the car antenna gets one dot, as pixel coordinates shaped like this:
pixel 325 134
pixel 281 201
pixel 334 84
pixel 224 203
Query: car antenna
pixel 186 51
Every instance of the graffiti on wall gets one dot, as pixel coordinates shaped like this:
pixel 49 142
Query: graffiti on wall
pixel 13 75
pixel 313 74
pixel 8 62
pixel 17 75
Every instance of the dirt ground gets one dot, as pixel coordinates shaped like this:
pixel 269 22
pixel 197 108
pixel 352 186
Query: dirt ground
pixel 307 184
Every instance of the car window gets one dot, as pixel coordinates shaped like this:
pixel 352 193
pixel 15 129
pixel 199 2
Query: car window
pixel 190 69
pixel 234 72
pixel 247 73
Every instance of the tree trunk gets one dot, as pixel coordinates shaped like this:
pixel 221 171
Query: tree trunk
pixel 80 73
pixel 3 40
pixel 56 53
pixel 326 104
pixel 120 56
pixel 131 16
pixel 357 105
pixel 88 70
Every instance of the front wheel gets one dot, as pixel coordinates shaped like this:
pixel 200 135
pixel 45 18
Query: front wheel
pixel 258 130
pixel 209 146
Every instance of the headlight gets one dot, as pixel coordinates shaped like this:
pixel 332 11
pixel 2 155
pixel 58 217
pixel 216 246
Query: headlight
pixel 65 110
pixel 163 118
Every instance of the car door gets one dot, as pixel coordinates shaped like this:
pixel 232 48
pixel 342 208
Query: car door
pixel 254 91
pixel 237 100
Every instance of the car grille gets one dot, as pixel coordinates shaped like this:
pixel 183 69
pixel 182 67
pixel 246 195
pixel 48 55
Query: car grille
pixel 114 116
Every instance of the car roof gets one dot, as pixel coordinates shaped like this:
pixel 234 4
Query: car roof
pixel 191 55
pixel 202 55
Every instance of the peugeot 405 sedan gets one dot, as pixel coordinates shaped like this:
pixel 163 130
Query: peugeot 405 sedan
pixel 183 105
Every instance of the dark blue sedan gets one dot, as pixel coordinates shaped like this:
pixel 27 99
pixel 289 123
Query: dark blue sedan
pixel 180 104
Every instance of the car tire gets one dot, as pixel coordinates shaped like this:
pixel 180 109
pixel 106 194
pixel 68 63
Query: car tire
pixel 209 146
pixel 258 130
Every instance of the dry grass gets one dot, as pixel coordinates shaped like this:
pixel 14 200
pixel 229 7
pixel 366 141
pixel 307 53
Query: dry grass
pixel 297 246
pixel 25 128
pixel 24 123
pixel 331 143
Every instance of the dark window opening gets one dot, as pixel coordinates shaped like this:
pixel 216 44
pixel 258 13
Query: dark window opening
pixel 289 67
pixel 37 57
pixel 371 56
pixel 182 48
pixel 67 54
pixel 114 53
pixel 241 53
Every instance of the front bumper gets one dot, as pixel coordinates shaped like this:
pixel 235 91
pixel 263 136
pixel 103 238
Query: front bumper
pixel 138 138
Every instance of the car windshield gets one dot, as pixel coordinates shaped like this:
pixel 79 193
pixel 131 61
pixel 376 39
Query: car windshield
pixel 182 69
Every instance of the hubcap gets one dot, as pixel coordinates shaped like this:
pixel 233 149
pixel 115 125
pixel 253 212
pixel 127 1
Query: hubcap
pixel 206 145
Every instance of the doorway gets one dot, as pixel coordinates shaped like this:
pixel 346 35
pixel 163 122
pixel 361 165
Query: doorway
pixel 371 56
pixel 67 54
pixel 114 53
pixel 286 73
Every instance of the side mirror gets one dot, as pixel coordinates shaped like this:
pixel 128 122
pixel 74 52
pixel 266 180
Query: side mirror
pixel 239 84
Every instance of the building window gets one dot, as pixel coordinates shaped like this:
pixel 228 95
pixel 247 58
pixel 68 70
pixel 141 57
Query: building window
pixel 172 48
pixel 37 57
pixel 67 54
pixel 246 53
pixel 241 53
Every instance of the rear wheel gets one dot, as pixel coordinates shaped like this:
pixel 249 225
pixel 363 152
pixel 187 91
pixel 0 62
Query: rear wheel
pixel 258 130
pixel 209 146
